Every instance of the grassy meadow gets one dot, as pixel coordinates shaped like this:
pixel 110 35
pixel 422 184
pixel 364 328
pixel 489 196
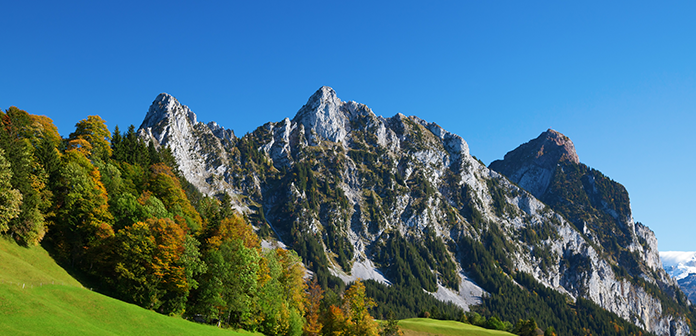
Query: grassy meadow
pixel 38 297
pixel 430 327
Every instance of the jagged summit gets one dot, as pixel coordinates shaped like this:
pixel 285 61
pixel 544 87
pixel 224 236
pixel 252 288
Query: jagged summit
pixel 327 116
pixel 324 97
pixel 531 164
pixel 198 147
pixel 165 106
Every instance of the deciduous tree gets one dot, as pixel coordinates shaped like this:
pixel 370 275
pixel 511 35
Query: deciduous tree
pixel 93 131
pixel 10 199
pixel 313 323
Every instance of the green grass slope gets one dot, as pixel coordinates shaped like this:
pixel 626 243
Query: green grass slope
pixel 430 327
pixel 38 297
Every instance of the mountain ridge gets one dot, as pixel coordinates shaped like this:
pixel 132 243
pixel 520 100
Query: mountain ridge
pixel 343 187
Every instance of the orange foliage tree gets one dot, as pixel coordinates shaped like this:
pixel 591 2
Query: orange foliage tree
pixel 82 218
pixel 164 184
pixel 149 265
pixel 313 323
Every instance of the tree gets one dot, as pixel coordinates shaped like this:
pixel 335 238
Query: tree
pixel 391 327
pixel 526 328
pixel 19 134
pixel 155 262
pixel 164 184
pixel 239 272
pixel 335 322
pixel 495 323
pixel 10 199
pixel 94 132
pixel 550 331
pixel 233 227
pixel 356 305
pixel 82 218
pixel 313 324
pixel 229 286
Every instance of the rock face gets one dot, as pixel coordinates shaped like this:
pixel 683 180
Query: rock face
pixel 346 189
pixel 532 164
pixel 200 149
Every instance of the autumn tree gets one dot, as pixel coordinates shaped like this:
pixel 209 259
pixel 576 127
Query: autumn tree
pixel 335 322
pixel 352 317
pixel 82 217
pixel 92 135
pixel 233 227
pixel 155 262
pixel 314 295
pixel 164 185
pixel 19 134
pixel 10 199
pixel 356 305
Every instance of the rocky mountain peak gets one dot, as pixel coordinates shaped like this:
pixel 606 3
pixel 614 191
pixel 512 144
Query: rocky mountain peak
pixel 323 115
pixel 557 146
pixel 165 106
pixel 548 149
pixel 531 165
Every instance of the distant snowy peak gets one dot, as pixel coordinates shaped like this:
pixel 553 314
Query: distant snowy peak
pixel 679 264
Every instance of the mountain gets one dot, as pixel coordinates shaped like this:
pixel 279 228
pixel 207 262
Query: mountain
pixel 682 266
pixel 401 201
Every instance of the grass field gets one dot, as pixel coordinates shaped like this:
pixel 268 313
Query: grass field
pixel 38 297
pixel 430 327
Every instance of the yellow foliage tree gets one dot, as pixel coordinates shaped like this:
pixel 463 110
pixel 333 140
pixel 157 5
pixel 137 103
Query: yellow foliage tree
pixel 93 130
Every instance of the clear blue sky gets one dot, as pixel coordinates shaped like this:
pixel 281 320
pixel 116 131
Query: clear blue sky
pixel 619 79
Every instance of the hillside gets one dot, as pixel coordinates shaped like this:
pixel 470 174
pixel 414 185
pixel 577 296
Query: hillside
pixel 38 297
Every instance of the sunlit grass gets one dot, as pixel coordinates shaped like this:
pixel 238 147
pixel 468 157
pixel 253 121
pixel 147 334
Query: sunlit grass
pixel 430 327
pixel 37 297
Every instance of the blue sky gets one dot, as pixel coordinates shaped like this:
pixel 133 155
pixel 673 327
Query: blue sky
pixel 619 79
